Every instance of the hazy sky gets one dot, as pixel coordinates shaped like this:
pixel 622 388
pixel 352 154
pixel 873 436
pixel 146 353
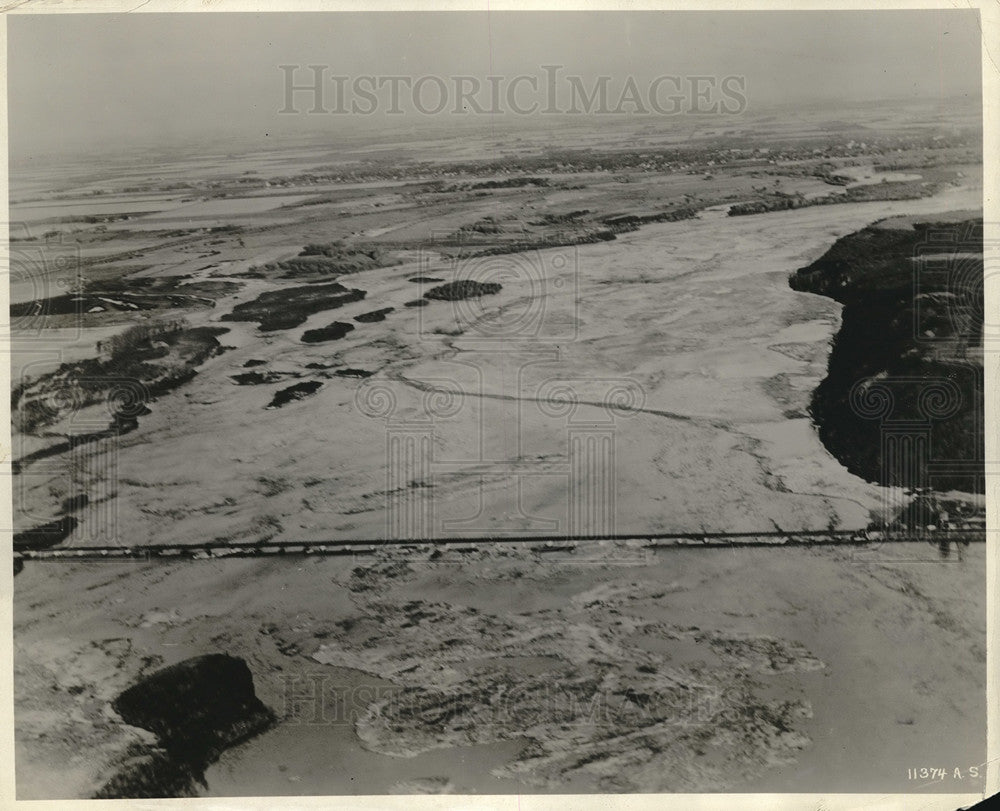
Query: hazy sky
pixel 85 79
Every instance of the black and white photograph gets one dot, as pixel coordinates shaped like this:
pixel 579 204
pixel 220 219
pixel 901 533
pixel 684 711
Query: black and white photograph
pixel 498 402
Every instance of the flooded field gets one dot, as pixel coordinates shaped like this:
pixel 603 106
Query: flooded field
pixel 290 352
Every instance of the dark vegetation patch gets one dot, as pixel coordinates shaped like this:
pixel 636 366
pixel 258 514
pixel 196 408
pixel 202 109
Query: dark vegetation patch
pixel 622 223
pixel 560 219
pixel 330 258
pixel 353 373
pixel 487 225
pixel 74 503
pixel 416 303
pixel 254 362
pixel 902 342
pixel 297 392
pixel 197 709
pixel 906 222
pixel 463 289
pixel 98 219
pixel 440 187
pixel 511 183
pixel 425 279
pixel 780 201
pixel 337 250
pixel 45 535
pixel 516 232
pixel 373 316
pixel 77 304
pixel 290 307
pixel 100 301
pixel 250 273
pixel 584 237
pixel 492 236
pixel 695 156
pixel 331 332
pixel 143 362
pixel 256 378
pixel 169 284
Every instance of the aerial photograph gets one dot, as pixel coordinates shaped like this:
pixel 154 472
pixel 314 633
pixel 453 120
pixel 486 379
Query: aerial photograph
pixel 496 403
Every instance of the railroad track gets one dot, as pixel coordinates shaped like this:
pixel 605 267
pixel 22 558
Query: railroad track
pixel 536 543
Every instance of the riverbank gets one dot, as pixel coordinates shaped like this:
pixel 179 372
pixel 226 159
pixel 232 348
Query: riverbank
pixel 909 348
